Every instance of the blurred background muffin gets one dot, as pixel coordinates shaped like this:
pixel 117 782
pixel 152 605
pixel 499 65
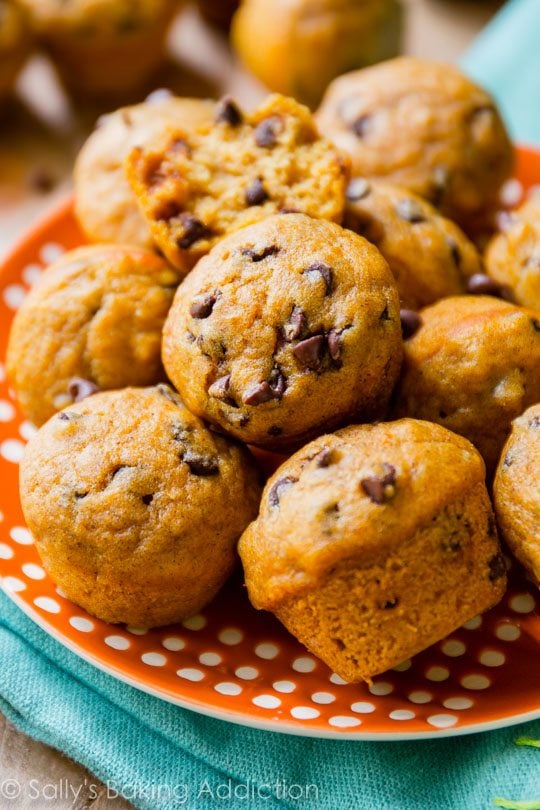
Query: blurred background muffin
pixel 15 41
pixel 297 47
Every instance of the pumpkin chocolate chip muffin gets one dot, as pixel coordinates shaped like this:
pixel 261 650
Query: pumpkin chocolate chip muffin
pixel 472 366
pixel 429 255
pixel 516 491
pixel 94 320
pixel 366 552
pixel 426 127
pixel 286 329
pixel 513 256
pixel 104 202
pixel 115 491
pixel 15 42
pixel 198 186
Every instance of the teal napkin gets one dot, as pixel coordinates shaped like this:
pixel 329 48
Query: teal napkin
pixel 163 757
pixel 505 59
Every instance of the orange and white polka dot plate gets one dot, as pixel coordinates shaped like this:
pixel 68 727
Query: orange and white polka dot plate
pixel 236 664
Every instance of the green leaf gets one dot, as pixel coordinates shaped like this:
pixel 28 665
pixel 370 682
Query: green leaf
pixel 528 741
pixel 510 805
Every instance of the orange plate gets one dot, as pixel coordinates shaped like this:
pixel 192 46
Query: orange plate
pixel 236 664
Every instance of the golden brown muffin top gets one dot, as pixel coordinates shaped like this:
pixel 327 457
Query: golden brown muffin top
pixel 13 26
pixel 90 17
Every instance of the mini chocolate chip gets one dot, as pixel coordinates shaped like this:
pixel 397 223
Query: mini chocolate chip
pixel 411 322
pixel 455 252
pixel 202 466
pixel 295 325
pixel 325 457
pixel 169 209
pixel 79 388
pixel 335 340
pixel 390 604
pixel 497 568
pixel 322 270
pixel 535 422
pixel 278 382
pixel 535 324
pixel 220 388
pixel 258 394
pixel 451 545
pixel 385 314
pixel 266 133
pixel 357 189
pixel 64 416
pixel 508 460
pixel 190 337
pixel 380 489
pixel 309 352
pixel 275 430
pixel 202 306
pixel 147 499
pixel 278 489
pixel 194 231
pixel 256 193
pixel 360 125
pixel 80 495
pixel 481 284
pixel 410 210
pixel 228 112
pixel 259 255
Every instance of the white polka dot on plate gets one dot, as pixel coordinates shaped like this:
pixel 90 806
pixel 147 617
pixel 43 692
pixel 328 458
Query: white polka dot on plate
pixel 458 703
pixel 173 643
pixel 153 659
pixel 475 681
pixel 13 295
pixel 522 603
pixel 381 688
pixel 266 651
pixel 27 430
pixel 50 252
pixel 12 450
pixel 284 686
pixel 305 712
pixel 492 658
pixel 196 622
pixel 231 636
pixel 362 707
pixel 228 688
pixel 420 696
pixel 266 701
pixel 7 411
pixel 21 536
pixel 402 714
pixel 473 624
pixel 47 604
pixel 247 673
pixel 442 720
pixel 31 274
pixel 6 553
pixel 437 673
pixel 60 592
pixel 210 659
pixel 343 721
pixel 323 697
pixel 403 666
pixel 13 584
pixel 33 571
pixel 337 679
pixel 303 664
pixel 453 648
pixel 190 674
pixel 508 632
pixel 118 642
pixel 82 624
pixel 136 631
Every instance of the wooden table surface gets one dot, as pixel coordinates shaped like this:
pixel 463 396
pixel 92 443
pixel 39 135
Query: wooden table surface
pixel 40 134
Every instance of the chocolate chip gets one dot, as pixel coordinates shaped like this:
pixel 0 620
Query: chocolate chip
pixel 80 495
pixel 64 416
pixel 228 112
pixel 295 325
pixel 410 210
pixel 508 461
pixel 167 210
pixel 322 270
pixel 411 322
pixel 451 545
pixel 147 499
pixel 279 488
pixel 41 180
pixel 278 382
pixel 380 489
pixel 535 422
pixel 259 394
pixel 266 133
pixel 385 314
pixel 455 252
pixel 194 231
pixel 259 255
pixel 390 604
pixel 360 125
pixel 535 324
pixel 335 341
pixel 357 189
pixel 190 337
pixel 79 388
pixel 167 392
pixel 256 193
pixel 202 466
pixel 481 284
pixel 220 389
pixel 202 306
pixel 325 457
pixel 275 430
pixel 497 568
pixel 309 352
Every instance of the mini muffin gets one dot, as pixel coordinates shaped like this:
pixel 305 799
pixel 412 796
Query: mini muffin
pixel 286 329
pixel 297 47
pixel 104 202
pixel 426 127
pixel 103 47
pixel 428 254
pixel 218 12
pixel 199 186
pixel 366 553
pixel 516 491
pixel 513 256
pixel 472 366
pixel 94 320
pixel 115 491
pixel 15 42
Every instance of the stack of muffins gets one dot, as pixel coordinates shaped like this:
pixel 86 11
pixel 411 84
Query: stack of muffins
pixel 272 285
